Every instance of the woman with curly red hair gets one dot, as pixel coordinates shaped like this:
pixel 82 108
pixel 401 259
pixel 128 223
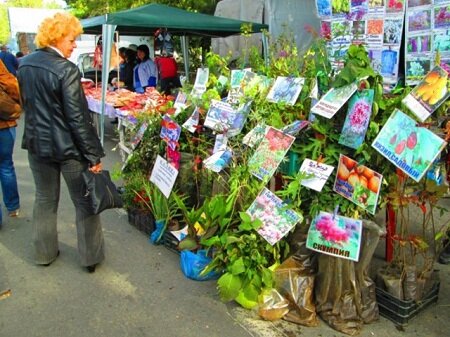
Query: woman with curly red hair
pixel 60 138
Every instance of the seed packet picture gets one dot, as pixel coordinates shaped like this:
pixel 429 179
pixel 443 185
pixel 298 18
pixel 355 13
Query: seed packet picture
pixel 407 145
pixel 358 183
pixel 429 94
pixel 335 235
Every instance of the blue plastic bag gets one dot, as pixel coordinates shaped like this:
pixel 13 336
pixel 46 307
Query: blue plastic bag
pixel 157 234
pixel 192 265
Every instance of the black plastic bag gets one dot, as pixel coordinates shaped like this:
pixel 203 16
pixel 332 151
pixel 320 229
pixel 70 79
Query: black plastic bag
pixel 102 191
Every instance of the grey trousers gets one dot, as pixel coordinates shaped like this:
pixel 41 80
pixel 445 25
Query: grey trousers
pixel 47 177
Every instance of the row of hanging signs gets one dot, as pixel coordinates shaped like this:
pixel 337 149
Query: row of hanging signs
pixel 379 24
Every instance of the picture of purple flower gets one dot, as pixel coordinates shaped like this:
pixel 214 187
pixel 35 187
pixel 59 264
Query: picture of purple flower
pixel 419 20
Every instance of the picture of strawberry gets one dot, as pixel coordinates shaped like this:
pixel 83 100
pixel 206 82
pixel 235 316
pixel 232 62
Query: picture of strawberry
pixel 412 140
pixel 400 147
pixel 393 139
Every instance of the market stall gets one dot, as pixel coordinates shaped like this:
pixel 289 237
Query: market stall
pixel 145 20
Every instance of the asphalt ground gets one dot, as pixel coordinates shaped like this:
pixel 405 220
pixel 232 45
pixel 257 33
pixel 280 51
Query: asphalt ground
pixel 139 290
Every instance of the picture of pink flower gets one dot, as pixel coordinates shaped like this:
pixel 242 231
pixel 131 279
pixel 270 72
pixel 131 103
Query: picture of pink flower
pixel 357 120
pixel 276 218
pixel 359 117
pixel 330 231
pixel 442 17
pixel 335 235
pixel 394 6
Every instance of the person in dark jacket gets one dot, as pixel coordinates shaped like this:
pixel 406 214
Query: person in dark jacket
pixel 60 138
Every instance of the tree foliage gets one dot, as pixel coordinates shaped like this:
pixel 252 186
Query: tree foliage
pixel 88 8
pixel 4 19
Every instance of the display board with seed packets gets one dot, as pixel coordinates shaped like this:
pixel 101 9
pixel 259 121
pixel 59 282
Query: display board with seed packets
pixel 427 33
pixel 376 24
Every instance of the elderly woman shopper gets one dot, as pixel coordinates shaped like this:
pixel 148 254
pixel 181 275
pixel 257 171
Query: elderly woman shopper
pixel 145 73
pixel 61 140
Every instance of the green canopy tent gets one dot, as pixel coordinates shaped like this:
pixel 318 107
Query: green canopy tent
pixel 146 19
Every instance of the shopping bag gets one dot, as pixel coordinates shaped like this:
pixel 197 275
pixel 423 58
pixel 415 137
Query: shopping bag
pixel 101 191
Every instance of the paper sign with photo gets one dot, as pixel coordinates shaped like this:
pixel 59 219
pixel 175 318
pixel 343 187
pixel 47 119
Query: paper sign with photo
pixel 429 94
pixel 357 120
pixel 163 176
pixel 193 121
pixel 269 154
pixel 255 135
pixel 410 147
pixel 180 102
pixel 320 173
pixel 236 89
pixel 170 132
pixel 335 235
pixel 277 219
pixel 218 161
pixel 220 116
pixel 238 118
pixel 286 89
pixel 221 143
pixel 358 183
pixel 138 137
pixel 201 80
pixel 294 128
pixel 333 100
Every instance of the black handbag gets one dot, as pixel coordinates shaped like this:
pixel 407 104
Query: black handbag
pixel 102 191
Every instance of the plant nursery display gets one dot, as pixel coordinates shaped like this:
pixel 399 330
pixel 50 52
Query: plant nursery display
pixel 256 164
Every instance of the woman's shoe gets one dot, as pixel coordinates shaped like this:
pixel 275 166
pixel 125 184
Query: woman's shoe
pixel 14 213
pixel 91 268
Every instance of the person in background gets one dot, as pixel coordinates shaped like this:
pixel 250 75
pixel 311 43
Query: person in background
pixel 9 112
pixel 19 55
pixel 9 60
pixel 168 72
pixel 128 71
pixel 60 137
pixel 145 73
pixel 122 62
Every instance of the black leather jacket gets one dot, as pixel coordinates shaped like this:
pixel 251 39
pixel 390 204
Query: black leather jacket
pixel 58 124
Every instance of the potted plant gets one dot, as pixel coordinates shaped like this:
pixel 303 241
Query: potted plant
pixel 409 283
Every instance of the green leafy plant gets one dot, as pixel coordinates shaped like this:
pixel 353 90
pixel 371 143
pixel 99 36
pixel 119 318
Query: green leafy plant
pixel 247 261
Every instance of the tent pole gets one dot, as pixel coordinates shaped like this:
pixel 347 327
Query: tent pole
pixel 265 43
pixel 185 50
pixel 107 40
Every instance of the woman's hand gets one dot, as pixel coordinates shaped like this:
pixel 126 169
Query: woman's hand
pixel 96 168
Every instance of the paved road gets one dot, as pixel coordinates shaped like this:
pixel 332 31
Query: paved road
pixel 139 290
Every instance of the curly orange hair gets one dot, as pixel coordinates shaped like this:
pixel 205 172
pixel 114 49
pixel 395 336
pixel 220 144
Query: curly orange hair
pixel 54 28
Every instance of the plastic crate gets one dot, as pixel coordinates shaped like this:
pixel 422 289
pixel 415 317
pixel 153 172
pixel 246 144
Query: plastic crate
pixel 141 220
pixel 401 311
pixel 170 242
